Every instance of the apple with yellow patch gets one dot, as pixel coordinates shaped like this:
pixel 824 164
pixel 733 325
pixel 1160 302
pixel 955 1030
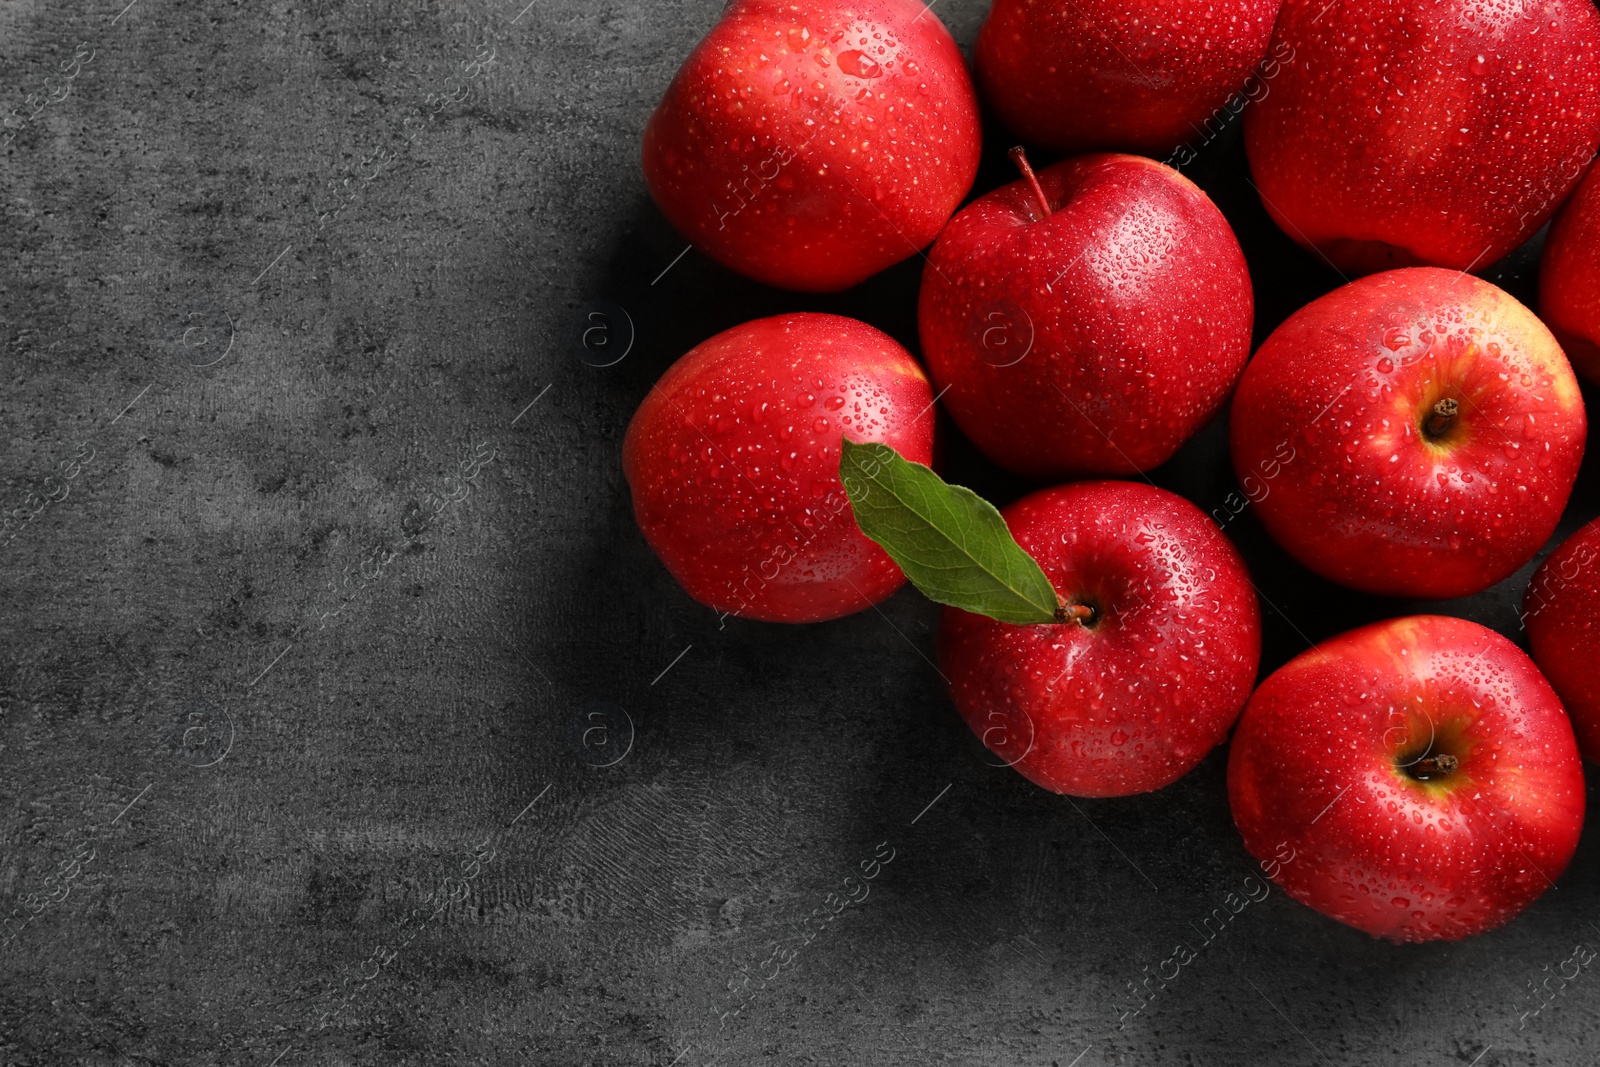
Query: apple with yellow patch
pixel 1434 427
pixel 1422 772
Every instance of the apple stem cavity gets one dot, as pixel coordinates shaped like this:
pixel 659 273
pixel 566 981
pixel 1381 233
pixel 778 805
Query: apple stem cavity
pixel 1430 767
pixel 1442 418
pixel 1082 614
pixel 1020 158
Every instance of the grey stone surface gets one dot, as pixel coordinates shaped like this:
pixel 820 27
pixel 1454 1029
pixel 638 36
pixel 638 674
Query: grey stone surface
pixel 345 717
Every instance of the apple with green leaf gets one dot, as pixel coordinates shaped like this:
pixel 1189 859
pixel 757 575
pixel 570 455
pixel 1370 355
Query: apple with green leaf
pixel 1100 637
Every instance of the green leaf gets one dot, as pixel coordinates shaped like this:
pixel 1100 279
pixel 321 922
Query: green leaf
pixel 952 544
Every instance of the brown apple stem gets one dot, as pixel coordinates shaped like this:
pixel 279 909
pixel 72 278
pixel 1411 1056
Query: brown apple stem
pixel 1020 158
pixel 1443 417
pixel 1079 613
pixel 1435 766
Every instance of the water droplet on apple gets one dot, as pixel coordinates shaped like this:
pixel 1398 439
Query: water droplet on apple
pixel 859 64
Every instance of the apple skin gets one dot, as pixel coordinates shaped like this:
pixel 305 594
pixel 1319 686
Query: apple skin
pixel 1316 763
pixel 1569 277
pixel 1095 74
pixel 1416 132
pixel 733 462
pixel 810 145
pixel 1564 630
pixel 1329 421
pixel 1094 341
pixel 1134 701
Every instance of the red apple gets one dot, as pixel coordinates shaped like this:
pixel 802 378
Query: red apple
pixel 1410 132
pixel 1095 74
pixel 1158 659
pixel 1415 433
pixel 1564 630
pixel 1088 321
pixel 733 461
pixel 812 144
pixel 1420 773
pixel 1569 277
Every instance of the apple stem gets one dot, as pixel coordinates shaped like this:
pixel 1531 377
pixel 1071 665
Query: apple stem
pixel 1435 766
pixel 1443 417
pixel 1020 158
pixel 1079 613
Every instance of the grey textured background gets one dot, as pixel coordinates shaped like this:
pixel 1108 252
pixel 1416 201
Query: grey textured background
pixel 292 635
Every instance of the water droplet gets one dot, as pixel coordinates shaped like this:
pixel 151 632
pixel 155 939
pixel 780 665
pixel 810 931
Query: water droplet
pixel 859 64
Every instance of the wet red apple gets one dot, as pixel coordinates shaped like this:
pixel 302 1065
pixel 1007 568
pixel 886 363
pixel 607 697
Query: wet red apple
pixel 1569 277
pixel 1150 671
pixel 1420 771
pixel 1096 74
pixel 810 145
pixel 1423 430
pixel 1564 630
pixel 733 462
pixel 1088 321
pixel 1440 132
